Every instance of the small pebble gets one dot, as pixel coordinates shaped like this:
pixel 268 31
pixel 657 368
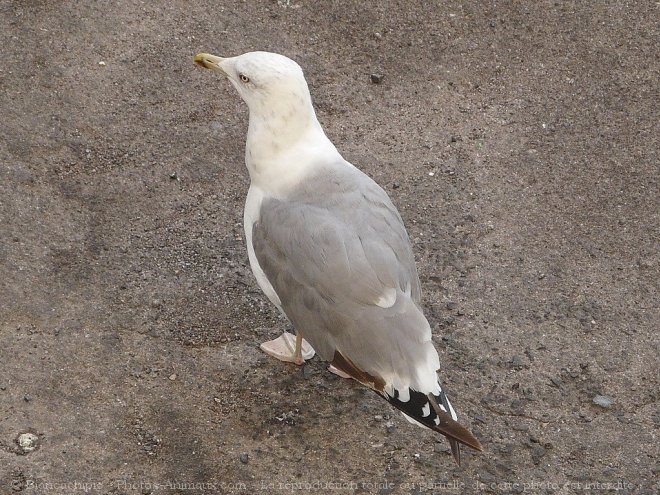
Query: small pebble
pixel 480 419
pixel 172 376
pixel 441 447
pixel 396 185
pixel 537 453
pixel 376 78
pixel 174 176
pixel 244 458
pixel 517 362
pixel 27 397
pixel 307 372
pixel 102 63
pixel 486 477
pixel 28 442
pixel 603 401
pixel 507 448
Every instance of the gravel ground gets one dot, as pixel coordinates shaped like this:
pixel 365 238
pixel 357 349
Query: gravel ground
pixel 519 141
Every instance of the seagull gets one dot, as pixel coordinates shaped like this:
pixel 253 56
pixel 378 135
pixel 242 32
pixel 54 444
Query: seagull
pixel 328 247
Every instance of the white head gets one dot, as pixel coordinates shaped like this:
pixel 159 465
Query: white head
pixel 272 85
pixel 284 137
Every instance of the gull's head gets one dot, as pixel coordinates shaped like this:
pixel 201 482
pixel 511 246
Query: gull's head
pixel 268 82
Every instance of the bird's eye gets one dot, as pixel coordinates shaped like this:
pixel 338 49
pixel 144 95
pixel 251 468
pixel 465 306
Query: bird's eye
pixel 244 78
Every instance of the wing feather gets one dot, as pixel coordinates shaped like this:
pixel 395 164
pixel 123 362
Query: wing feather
pixel 332 250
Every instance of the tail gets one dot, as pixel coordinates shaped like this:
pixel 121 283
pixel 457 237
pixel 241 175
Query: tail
pixel 435 412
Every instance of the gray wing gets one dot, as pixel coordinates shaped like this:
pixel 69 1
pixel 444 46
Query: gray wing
pixel 338 256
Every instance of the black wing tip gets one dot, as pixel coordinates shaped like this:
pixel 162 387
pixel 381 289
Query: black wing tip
pixel 455 432
pixel 456 448
pixel 452 429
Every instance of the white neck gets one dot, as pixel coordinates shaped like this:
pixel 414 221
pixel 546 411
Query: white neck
pixel 284 142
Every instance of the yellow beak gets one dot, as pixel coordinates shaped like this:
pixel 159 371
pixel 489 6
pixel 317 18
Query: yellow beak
pixel 209 61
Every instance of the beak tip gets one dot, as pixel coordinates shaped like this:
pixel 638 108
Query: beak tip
pixel 209 61
pixel 199 59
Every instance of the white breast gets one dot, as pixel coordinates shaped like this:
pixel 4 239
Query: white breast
pixel 250 216
pixel 274 172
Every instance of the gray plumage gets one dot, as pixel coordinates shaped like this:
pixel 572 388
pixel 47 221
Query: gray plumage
pixel 331 249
